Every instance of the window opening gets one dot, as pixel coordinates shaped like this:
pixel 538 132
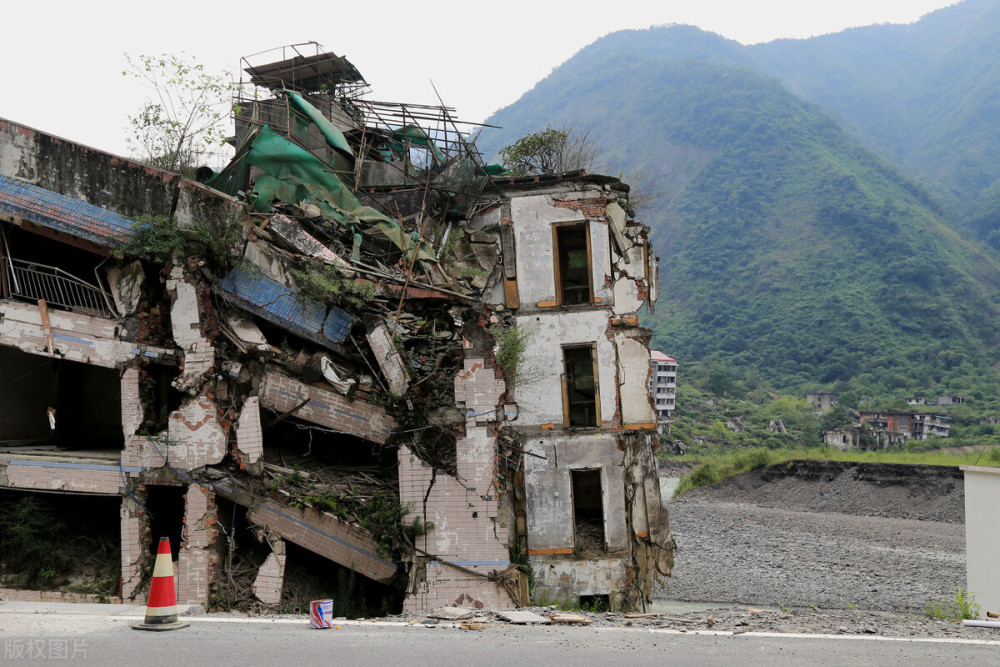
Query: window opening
pixel 581 405
pixel 573 265
pixel 588 510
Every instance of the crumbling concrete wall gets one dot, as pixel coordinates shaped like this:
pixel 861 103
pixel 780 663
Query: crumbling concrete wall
pixel 62 473
pixel 134 541
pixel 71 336
pixel 539 391
pixel 108 181
pixel 271 576
pixel 249 436
pixel 550 496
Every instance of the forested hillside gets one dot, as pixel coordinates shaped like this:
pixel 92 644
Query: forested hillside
pixel 792 249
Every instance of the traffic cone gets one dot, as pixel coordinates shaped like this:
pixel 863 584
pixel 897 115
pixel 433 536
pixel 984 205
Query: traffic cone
pixel 161 608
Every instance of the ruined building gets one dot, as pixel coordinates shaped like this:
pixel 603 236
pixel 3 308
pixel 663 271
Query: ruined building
pixel 357 348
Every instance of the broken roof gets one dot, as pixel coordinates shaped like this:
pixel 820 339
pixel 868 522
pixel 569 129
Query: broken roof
pixel 305 73
pixel 284 307
pixel 64 214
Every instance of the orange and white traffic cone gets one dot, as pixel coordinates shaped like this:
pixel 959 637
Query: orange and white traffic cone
pixel 161 608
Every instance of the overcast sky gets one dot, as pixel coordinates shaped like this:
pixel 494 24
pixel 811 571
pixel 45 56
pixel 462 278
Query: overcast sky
pixel 62 61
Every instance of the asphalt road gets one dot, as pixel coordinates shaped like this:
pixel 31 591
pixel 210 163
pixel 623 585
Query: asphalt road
pixel 27 637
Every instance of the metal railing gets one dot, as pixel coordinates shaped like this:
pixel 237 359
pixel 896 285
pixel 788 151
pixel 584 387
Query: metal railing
pixel 33 281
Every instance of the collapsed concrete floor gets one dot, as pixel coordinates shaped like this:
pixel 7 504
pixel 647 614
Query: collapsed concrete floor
pixel 356 343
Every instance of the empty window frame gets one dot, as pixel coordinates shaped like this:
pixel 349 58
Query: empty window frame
pixel 581 390
pixel 588 510
pixel 574 282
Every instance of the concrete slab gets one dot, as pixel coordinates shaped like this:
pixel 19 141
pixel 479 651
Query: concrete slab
pixel 523 617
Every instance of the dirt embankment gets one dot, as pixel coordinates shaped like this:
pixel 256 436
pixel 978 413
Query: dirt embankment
pixel 822 534
pixel 920 492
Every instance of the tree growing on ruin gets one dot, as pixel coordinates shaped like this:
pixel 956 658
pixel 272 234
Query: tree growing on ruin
pixel 557 151
pixel 184 124
pixel 550 151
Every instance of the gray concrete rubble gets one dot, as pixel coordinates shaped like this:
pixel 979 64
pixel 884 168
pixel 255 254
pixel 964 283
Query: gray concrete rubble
pixel 379 365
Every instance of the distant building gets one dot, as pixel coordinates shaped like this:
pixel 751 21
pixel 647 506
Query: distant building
pixel 911 425
pixel 663 387
pixel 954 399
pixel 916 400
pixel 823 400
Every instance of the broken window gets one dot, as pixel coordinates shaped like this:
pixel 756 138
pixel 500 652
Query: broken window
pixel 581 399
pixel 588 510
pixel 572 255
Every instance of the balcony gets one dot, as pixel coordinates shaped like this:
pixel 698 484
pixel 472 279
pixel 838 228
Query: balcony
pixel 37 282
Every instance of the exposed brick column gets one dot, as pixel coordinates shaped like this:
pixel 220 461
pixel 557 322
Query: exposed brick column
pixel 271 576
pixel 194 568
pixel 132 548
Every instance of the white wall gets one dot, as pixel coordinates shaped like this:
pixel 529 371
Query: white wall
pixel 533 218
pixel 982 537
pixel 538 388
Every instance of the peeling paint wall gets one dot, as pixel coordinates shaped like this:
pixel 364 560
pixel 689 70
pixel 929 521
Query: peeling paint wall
pixel 538 390
pixel 549 491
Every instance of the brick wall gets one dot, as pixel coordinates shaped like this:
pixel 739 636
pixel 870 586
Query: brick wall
pixel 325 535
pixel 133 551
pixel 249 436
pixel 478 387
pixel 196 558
pixel 465 509
pixel 196 427
pixel 270 580
pixel 132 412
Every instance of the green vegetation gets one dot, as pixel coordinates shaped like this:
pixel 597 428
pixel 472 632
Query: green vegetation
pixel 726 431
pixel 962 606
pixel 792 257
pixel 548 152
pixel 32 542
pixel 380 513
pixel 511 342
pixel 327 284
pixel 159 238
pixel 37 550
pixel 186 123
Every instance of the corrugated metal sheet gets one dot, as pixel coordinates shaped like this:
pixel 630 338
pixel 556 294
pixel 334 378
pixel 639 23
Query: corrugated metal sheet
pixel 65 214
pixel 283 307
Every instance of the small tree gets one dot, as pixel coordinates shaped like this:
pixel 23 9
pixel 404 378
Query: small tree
pixel 549 152
pixel 185 123
pixel 568 149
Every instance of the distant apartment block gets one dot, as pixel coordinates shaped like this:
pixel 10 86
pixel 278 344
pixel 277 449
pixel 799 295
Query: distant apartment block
pixel 822 400
pixel 663 386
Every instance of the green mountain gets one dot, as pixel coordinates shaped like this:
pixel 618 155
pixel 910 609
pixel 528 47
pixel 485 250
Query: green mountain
pixel 789 251
pixel 925 94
